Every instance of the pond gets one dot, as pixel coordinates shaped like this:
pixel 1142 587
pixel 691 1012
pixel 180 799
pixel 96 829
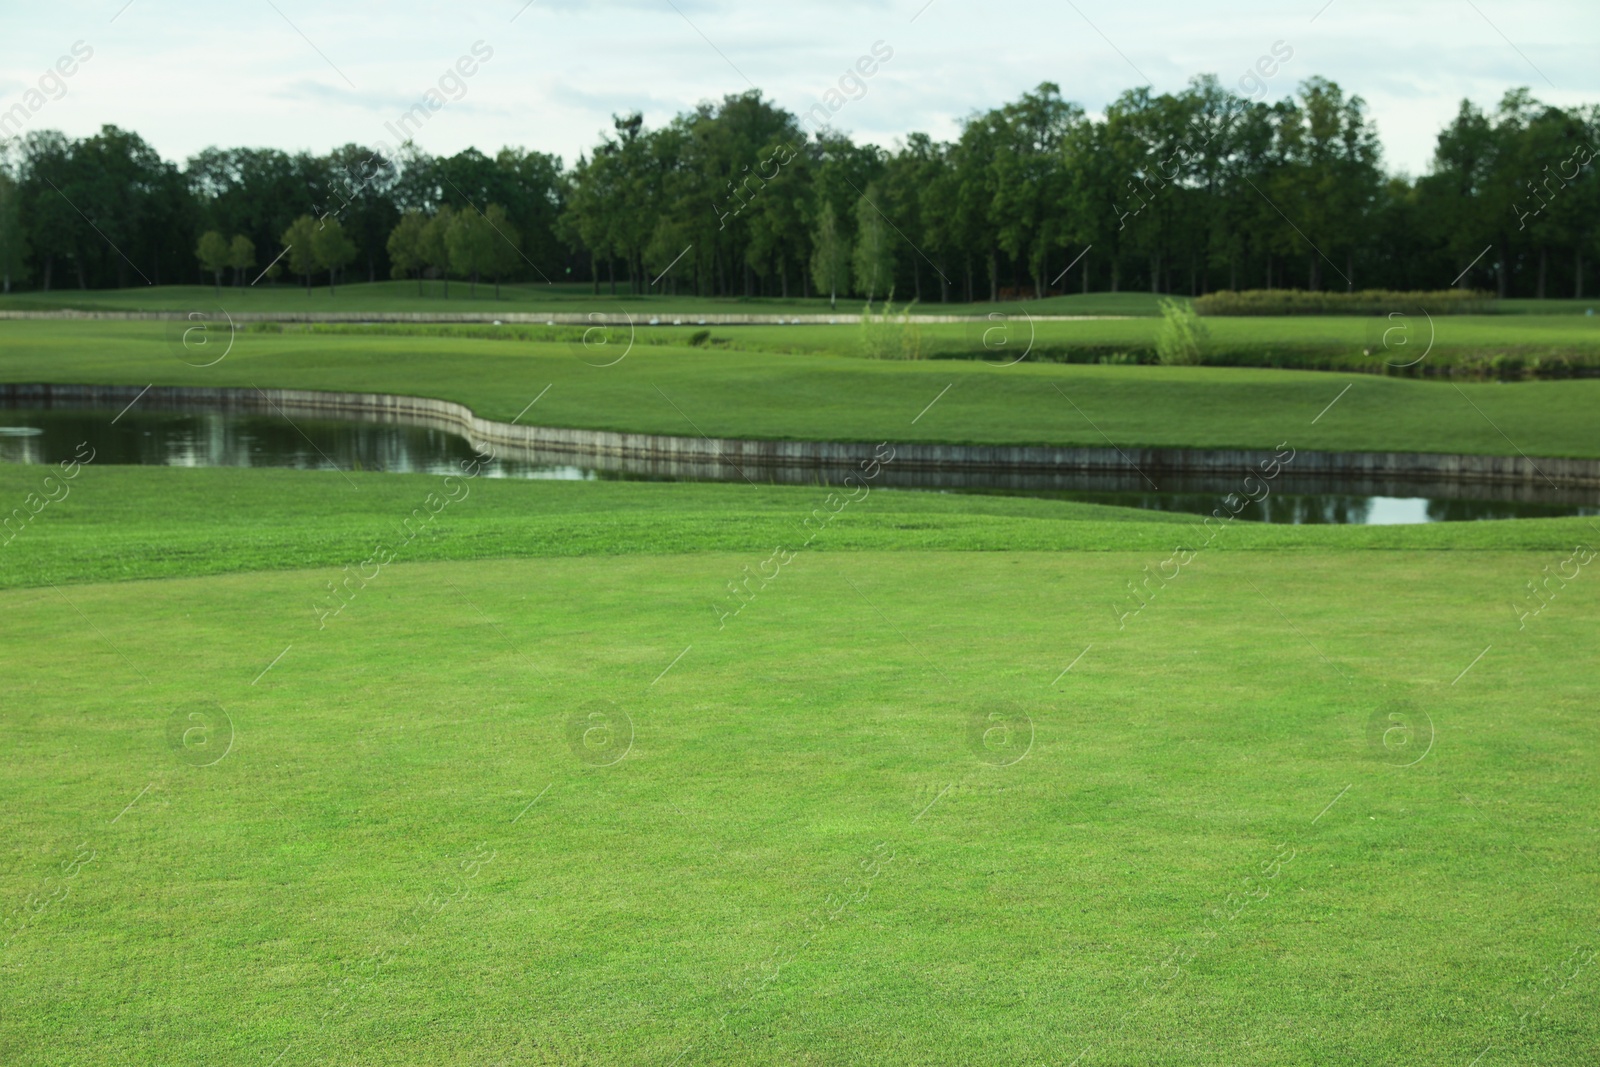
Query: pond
pixel 151 437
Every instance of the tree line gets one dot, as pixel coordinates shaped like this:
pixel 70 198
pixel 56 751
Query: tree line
pixel 1185 192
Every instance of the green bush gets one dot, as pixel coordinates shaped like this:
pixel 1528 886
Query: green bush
pixel 1182 338
pixel 890 334
pixel 699 337
pixel 1365 302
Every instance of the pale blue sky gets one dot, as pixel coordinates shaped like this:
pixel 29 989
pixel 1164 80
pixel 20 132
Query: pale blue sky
pixel 300 74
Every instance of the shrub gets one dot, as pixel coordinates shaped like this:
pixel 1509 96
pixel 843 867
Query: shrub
pixel 1182 339
pixel 1506 367
pixel 890 334
pixel 699 337
pixel 1365 302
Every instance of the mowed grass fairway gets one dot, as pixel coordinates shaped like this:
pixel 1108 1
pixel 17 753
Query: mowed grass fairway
pixel 678 389
pixel 566 297
pixel 389 296
pixel 542 792
pixel 806 853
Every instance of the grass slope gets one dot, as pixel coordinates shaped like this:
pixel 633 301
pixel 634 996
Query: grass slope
pixel 683 390
pixel 125 523
pixel 418 848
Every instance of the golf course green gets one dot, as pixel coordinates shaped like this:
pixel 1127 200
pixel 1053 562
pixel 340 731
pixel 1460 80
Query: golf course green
pixel 736 392
pixel 313 767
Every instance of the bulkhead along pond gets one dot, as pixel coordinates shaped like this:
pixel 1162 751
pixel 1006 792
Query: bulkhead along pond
pixel 153 434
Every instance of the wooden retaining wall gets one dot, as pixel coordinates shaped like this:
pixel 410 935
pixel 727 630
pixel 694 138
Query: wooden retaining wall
pixel 691 452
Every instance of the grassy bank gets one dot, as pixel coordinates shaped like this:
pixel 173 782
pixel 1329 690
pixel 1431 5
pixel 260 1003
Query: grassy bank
pixel 135 523
pixel 735 393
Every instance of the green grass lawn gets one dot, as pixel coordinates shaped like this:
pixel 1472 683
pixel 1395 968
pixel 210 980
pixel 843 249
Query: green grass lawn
pixel 403 296
pixel 565 780
pixel 734 393
pixel 399 296
pixel 1288 341
pixel 129 523
pixel 538 806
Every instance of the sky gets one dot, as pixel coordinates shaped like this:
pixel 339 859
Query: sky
pixel 548 75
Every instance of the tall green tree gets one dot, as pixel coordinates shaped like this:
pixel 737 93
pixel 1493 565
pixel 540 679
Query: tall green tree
pixel 302 256
pixel 505 251
pixel 435 244
pixel 13 239
pixel 830 256
pixel 1331 185
pixel 1029 180
pixel 874 256
pixel 405 246
pixel 241 256
pixel 471 242
pixel 213 255
pixel 332 248
pixel 360 193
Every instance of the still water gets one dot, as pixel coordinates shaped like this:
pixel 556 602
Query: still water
pixel 200 439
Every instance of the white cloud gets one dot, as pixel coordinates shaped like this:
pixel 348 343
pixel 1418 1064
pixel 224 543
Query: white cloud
pixel 195 74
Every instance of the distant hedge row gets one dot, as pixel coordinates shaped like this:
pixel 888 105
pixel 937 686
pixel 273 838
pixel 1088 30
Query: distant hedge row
pixel 1518 363
pixel 1365 302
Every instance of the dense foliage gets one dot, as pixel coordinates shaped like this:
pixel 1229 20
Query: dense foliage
pixel 1363 302
pixel 1174 193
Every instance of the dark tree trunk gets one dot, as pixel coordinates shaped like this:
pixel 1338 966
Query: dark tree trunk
pixel 1544 268
pixel 49 269
pixel 1577 274
pixel 1500 281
